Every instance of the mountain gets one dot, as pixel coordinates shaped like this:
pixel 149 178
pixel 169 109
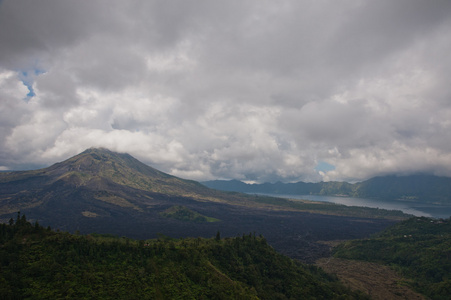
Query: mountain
pixel 97 169
pixel 94 185
pixel 107 192
pixel 420 188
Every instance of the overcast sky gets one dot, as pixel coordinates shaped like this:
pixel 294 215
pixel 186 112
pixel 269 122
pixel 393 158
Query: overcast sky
pixel 249 90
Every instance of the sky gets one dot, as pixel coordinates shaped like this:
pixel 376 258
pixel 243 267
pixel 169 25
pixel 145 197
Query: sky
pixel 254 90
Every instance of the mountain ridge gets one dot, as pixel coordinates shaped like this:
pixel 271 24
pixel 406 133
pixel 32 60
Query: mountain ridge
pixel 416 188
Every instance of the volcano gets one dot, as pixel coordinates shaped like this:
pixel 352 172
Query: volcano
pixel 100 191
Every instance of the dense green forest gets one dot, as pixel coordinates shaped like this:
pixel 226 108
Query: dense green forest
pixel 419 248
pixel 38 263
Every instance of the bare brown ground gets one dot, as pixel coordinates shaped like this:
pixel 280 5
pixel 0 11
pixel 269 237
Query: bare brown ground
pixel 380 282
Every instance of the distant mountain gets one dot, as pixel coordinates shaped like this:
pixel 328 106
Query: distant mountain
pixel 107 192
pixel 420 188
pixel 299 188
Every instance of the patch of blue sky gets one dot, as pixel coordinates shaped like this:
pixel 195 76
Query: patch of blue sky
pixel 323 166
pixel 27 78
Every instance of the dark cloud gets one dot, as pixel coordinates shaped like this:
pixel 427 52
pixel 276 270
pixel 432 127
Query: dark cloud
pixel 253 90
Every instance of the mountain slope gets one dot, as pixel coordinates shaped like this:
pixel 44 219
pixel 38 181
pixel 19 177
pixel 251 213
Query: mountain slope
pixel 94 166
pixel 97 186
pixel 418 248
pixel 424 188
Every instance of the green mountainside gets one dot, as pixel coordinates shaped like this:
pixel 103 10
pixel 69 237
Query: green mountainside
pixel 37 263
pixel 420 188
pixel 419 248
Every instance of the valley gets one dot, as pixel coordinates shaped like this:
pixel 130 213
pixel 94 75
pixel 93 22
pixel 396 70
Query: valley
pixel 100 193
pixel 293 233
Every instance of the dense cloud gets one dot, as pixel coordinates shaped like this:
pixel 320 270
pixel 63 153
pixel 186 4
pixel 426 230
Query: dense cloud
pixel 251 90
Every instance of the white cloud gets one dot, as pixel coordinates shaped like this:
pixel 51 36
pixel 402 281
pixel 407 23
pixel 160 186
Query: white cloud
pixel 250 90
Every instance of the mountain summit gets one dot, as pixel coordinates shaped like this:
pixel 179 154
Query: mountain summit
pixel 100 166
pixel 97 169
pixel 96 185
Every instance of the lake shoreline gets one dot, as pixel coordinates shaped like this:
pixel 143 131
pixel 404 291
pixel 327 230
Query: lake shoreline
pixel 418 209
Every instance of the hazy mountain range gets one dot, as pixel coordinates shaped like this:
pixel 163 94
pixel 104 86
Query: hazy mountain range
pixel 418 188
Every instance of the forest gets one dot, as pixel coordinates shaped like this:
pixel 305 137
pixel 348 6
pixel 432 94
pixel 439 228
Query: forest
pixel 39 263
pixel 418 248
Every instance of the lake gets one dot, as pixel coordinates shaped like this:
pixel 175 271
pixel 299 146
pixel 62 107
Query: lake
pixel 413 208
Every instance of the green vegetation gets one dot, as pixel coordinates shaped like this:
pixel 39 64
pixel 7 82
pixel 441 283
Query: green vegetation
pixel 185 214
pixel 37 263
pixel 419 248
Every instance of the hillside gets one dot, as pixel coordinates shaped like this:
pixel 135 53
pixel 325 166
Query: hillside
pixel 418 248
pixel 37 263
pixel 420 188
pixel 106 192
